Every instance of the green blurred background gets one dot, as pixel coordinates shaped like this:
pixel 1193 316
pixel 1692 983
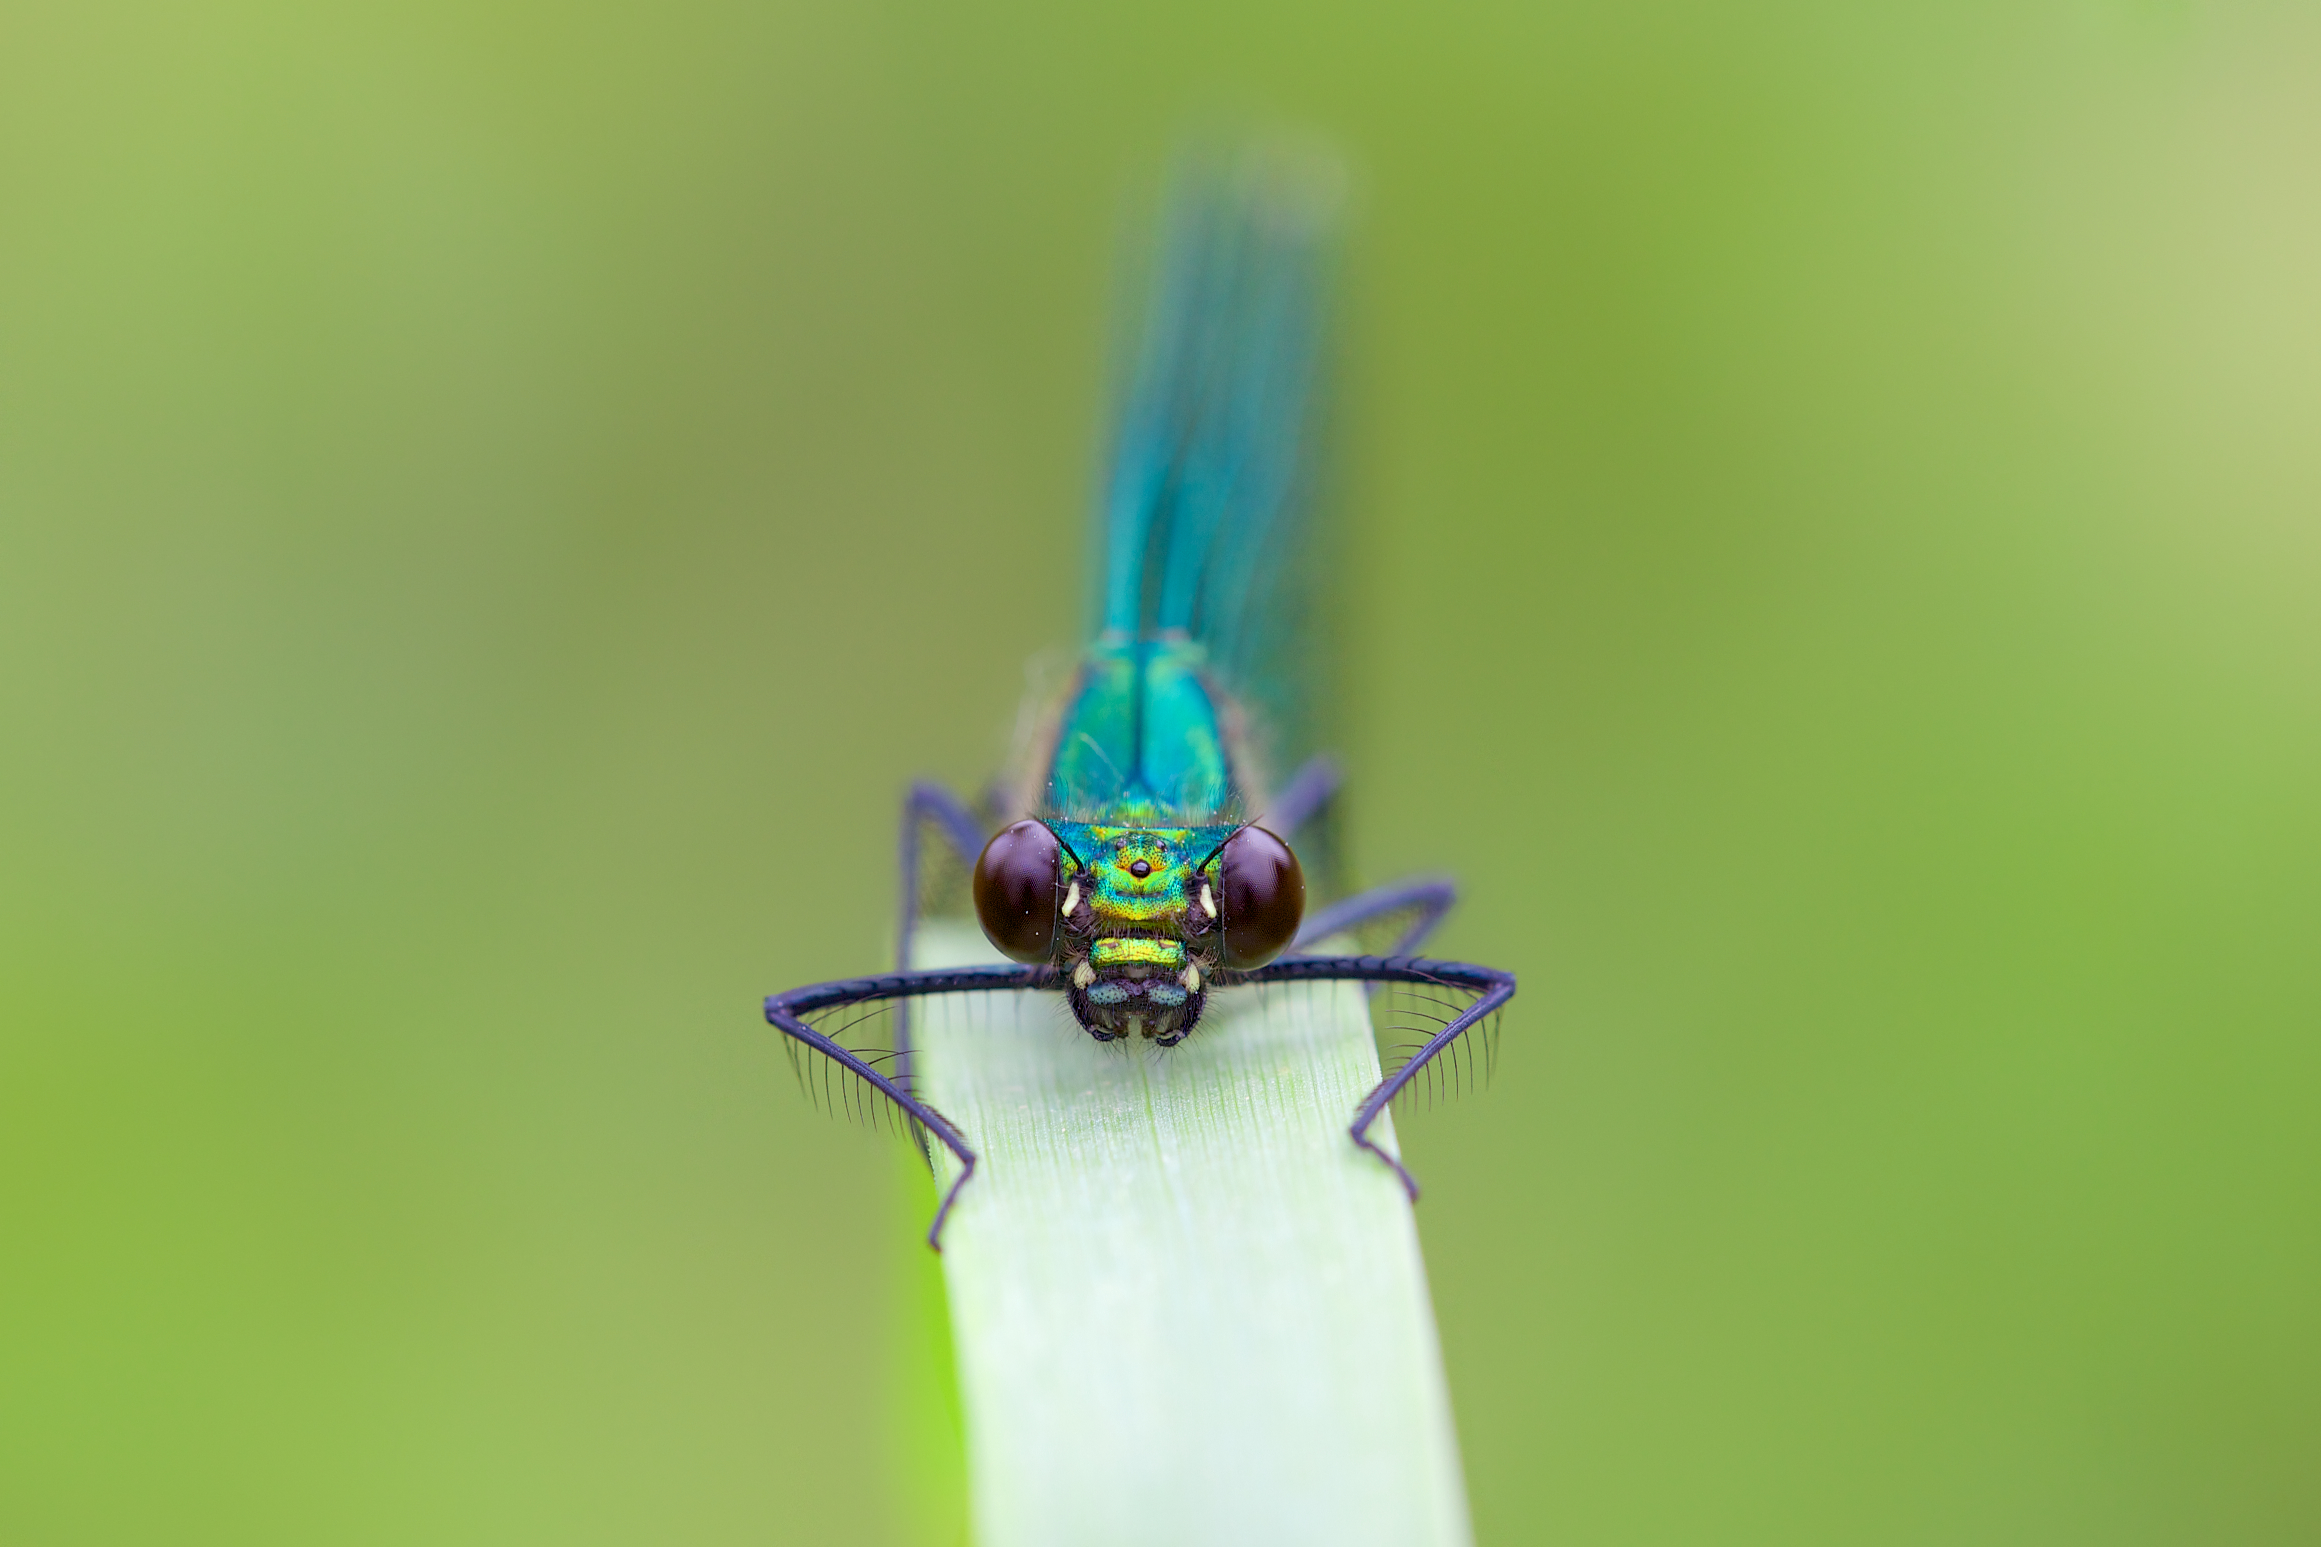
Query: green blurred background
pixel 495 499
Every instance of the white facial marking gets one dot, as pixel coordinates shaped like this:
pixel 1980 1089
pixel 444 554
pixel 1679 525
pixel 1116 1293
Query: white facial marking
pixel 1071 899
pixel 1083 975
pixel 1191 979
pixel 1208 903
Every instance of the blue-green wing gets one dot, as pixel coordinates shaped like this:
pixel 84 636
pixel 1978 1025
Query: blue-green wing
pixel 1205 529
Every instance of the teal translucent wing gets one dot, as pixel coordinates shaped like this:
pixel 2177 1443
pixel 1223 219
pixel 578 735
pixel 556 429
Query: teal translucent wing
pixel 1210 562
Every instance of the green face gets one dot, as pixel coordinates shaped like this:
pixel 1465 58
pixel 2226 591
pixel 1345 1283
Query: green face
pixel 1140 936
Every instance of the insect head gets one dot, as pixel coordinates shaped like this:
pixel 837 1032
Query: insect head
pixel 1139 919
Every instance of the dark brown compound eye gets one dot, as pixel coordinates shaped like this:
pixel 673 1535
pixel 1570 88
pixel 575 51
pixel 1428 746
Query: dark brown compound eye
pixel 1015 891
pixel 1263 897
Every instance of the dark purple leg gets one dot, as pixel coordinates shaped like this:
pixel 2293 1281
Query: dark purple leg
pixel 1432 898
pixel 788 1011
pixel 1493 988
pixel 963 830
pixel 959 825
pixel 1308 791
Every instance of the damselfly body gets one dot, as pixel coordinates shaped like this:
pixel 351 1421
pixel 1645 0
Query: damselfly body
pixel 1144 860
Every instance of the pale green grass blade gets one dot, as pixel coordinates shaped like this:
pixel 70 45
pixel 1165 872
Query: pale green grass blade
pixel 1187 1309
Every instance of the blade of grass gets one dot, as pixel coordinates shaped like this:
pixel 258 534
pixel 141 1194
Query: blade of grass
pixel 1186 1308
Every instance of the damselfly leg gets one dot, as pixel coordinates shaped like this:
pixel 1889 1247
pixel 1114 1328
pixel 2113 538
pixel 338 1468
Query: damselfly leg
pixel 1490 987
pixel 1307 812
pixel 803 1014
pixel 1307 795
pixel 960 833
pixel 928 810
pixel 806 1015
pixel 1425 902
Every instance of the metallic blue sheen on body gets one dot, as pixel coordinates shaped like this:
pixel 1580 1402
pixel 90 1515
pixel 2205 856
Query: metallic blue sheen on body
pixel 1152 770
pixel 1204 635
pixel 1201 680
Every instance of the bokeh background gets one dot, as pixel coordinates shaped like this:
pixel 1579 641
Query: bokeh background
pixel 495 499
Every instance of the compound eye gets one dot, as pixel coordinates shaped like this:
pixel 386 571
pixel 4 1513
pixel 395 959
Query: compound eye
pixel 1264 897
pixel 1015 891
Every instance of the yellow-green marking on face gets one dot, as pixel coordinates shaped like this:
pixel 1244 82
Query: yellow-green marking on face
pixel 1118 952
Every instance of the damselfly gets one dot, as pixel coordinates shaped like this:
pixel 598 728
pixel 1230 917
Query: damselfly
pixel 1143 859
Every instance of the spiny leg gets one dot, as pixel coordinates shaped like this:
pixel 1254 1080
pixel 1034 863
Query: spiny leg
pixel 788 1012
pixel 1492 987
pixel 1432 898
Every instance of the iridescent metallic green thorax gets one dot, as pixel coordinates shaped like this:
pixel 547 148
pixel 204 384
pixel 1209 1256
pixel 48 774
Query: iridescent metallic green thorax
pixel 1145 737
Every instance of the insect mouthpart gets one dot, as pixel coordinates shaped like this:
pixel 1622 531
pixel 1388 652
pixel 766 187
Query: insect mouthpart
pixel 1137 986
